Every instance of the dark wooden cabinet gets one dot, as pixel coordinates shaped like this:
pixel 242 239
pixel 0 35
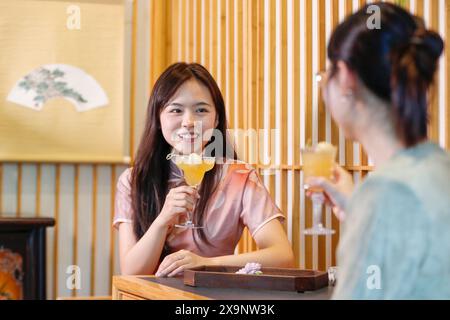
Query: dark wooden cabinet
pixel 22 257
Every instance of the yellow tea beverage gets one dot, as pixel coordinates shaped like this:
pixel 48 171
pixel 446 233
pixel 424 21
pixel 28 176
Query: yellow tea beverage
pixel 194 167
pixel 318 162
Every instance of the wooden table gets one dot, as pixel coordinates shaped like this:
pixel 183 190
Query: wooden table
pixel 152 288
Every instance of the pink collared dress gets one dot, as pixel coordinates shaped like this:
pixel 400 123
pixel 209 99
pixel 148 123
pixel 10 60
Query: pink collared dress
pixel 240 200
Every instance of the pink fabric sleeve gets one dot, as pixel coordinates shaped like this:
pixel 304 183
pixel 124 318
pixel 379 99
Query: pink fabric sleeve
pixel 258 207
pixel 122 204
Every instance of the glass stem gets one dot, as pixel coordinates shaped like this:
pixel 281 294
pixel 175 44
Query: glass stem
pixel 191 213
pixel 317 199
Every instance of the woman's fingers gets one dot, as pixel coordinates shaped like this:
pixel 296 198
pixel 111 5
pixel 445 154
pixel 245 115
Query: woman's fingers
pixel 332 194
pixel 185 204
pixel 177 262
pixel 171 263
pixel 183 196
pixel 341 171
pixel 169 259
pixel 178 270
pixel 172 267
pixel 180 200
pixel 336 191
pixel 318 182
pixel 187 190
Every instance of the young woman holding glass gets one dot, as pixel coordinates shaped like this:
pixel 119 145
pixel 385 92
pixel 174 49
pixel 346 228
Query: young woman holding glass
pixel 395 240
pixel 152 196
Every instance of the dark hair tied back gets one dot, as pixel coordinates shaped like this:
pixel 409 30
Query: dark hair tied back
pixel 397 62
pixel 413 70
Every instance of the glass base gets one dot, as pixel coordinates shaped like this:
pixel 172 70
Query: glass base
pixel 319 230
pixel 188 225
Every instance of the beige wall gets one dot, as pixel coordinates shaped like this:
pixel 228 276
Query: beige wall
pixel 263 54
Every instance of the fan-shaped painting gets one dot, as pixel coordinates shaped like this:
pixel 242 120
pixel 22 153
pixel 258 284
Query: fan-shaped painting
pixel 63 81
pixel 62 88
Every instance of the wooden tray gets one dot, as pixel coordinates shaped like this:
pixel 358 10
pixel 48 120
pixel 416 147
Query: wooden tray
pixel 271 279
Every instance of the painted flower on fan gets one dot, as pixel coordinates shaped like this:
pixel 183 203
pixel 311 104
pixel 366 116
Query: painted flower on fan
pixel 251 268
pixel 47 85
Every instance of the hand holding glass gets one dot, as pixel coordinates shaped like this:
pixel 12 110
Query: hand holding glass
pixel 194 167
pixel 318 162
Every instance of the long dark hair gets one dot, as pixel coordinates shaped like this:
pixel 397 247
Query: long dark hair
pixel 397 62
pixel 150 174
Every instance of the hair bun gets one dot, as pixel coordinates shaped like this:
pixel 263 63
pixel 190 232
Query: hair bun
pixel 424 49
pixel 429 41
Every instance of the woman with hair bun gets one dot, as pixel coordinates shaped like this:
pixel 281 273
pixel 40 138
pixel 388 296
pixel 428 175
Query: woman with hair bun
pixel 395 239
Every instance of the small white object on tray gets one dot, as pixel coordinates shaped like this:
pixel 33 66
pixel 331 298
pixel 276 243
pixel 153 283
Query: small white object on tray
pixel 251 268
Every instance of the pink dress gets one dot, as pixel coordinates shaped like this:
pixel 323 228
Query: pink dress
pixel 240 200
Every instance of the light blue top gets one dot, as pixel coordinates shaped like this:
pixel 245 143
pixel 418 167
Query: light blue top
pixel 395 241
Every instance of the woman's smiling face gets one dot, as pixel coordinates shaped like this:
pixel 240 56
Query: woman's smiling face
pixel 189 114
